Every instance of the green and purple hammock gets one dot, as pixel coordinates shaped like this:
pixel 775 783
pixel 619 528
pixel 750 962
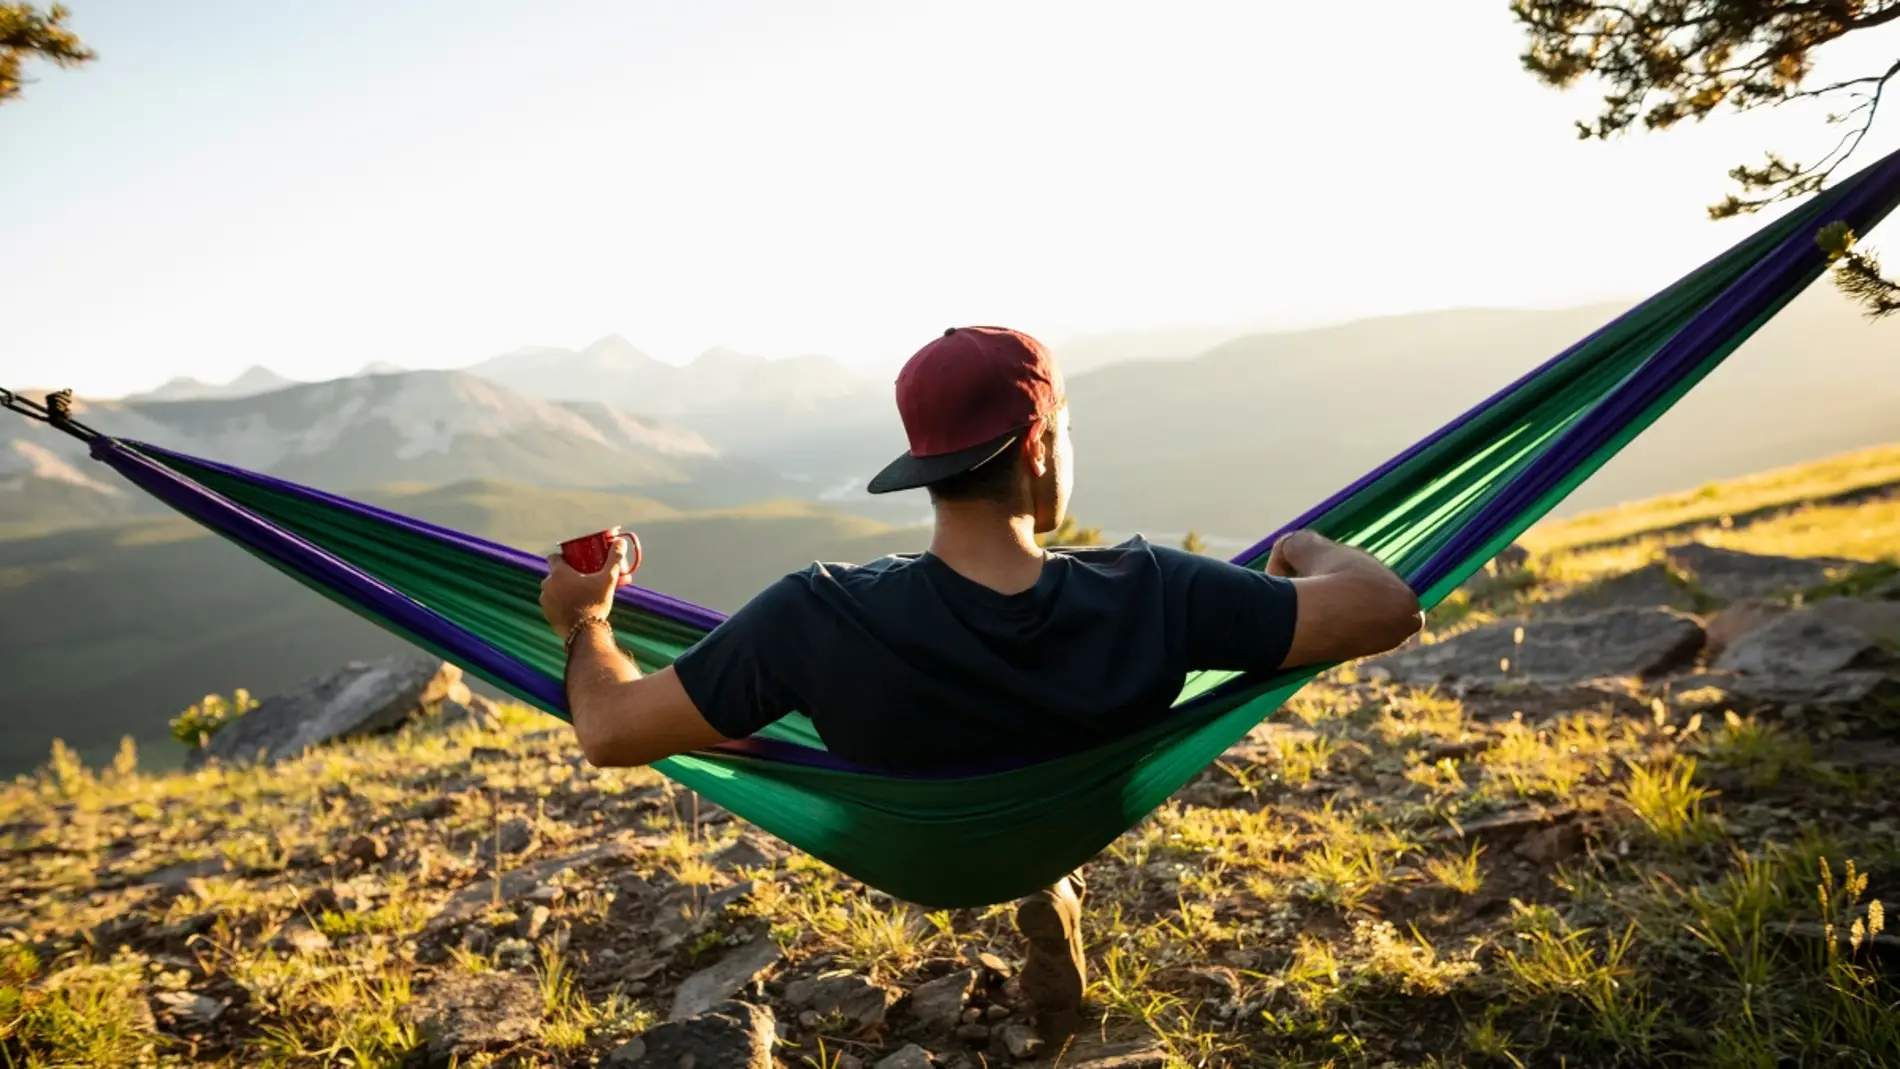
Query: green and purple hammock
pixel 1435 513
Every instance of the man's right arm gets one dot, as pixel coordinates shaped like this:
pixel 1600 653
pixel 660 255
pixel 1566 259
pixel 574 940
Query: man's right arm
pixel 1348 604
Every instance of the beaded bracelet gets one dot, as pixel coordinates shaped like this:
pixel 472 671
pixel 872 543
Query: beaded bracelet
pixel 575 631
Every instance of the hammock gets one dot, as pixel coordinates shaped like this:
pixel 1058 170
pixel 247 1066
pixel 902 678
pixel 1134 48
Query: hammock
pixel 1435 513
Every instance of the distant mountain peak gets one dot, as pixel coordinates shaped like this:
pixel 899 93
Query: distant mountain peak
pixel 259 376
pixel 614 351
pixel 380 367
pixel 253 380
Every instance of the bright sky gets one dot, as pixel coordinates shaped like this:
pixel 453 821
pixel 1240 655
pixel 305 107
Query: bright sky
pixel 314 186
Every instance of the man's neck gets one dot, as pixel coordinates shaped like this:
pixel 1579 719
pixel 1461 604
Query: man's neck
pixel 988 545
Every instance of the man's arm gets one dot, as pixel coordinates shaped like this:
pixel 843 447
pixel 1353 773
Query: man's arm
pixel 622 718
pixel 1349 604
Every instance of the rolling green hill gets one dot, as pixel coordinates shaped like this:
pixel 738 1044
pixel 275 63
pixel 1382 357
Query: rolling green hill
pixel 109 631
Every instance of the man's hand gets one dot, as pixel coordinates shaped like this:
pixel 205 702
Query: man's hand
pixel 1279 561
pixel 567 596
pixel 1350 605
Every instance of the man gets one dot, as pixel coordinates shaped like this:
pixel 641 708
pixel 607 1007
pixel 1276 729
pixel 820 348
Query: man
pixel 987 646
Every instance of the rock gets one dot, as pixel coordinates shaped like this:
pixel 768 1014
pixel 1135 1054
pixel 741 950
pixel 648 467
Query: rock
pixel 190 1008
pixel 360 698
pixel 473 900
pixel 1619 642
pixel 746 853
pixel 855 998
pixel 1551 845
pixel 1649 586
pixel 995 965
pixel 974 1035
pixel 731 1035
pixel 1835 688
pixel 1456 751
pixel 936 1004
pixel 1508 825
pixel 1741 618
pixel 473 710
pixel 546 894
pixel 301 938
pixel 710 986
pixel 1730 575
pixel 178 877
pixel 847 1060
pixel 515 836
pixel 1796 644
pixel 477 940
pixel 1022 1043
pixel 535 922
pixel 1500 575
pixel 1511 558
pixel 996 1013
pixel 911 1057
pixel 1878 620
pixel 466 1013
pixel 367 849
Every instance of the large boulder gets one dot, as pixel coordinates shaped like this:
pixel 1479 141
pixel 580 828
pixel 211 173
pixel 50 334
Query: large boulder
pixel 1651 586
pixel 1727 627
pixel 1797 644
pixel 1731 575
pixel 1620 642
pixel 1878 620
pixel 360 698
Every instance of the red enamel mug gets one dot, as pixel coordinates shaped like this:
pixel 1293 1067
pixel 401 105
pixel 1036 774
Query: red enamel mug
pixel 590 553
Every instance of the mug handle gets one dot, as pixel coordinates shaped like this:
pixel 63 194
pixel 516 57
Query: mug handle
pixel 633 555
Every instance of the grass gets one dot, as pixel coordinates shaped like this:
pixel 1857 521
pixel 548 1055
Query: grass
pixel 1790 488
pixel 1381 876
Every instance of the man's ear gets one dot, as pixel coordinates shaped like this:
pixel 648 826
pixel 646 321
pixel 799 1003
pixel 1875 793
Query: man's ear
pixel 1036 448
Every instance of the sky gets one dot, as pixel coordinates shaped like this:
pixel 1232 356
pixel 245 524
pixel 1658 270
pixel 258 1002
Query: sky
pixel 312 187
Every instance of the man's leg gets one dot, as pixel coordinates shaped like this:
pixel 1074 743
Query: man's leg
pixel 1054 972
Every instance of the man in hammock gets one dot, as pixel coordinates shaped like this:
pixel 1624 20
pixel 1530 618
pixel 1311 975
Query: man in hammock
pixel 987 648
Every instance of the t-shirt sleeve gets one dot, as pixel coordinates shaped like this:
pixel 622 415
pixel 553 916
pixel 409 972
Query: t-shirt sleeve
pixel 1235 618
pixel 737 675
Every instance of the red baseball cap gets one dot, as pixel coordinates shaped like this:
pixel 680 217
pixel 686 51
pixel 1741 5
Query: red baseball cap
pixel 965 398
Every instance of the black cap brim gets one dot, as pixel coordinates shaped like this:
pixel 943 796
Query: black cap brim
pixel 908 472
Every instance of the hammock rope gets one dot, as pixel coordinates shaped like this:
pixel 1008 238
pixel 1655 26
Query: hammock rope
pixel 970 837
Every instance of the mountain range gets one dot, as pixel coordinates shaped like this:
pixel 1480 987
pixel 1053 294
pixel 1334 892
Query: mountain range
pixel 249 383
pixel 417 427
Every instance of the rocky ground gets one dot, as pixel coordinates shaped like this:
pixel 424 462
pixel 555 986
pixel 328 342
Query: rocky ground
pixel 1629 804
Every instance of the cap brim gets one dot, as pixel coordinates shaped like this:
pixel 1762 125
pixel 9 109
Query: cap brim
pixel 910 472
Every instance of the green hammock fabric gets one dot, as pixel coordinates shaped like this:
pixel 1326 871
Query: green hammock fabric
pixel 1435 516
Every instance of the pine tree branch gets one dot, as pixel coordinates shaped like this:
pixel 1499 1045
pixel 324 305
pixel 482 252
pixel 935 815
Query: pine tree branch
pixel 1858 274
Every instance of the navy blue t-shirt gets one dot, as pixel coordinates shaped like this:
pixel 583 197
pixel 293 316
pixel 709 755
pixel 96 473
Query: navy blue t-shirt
pixel 903 663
